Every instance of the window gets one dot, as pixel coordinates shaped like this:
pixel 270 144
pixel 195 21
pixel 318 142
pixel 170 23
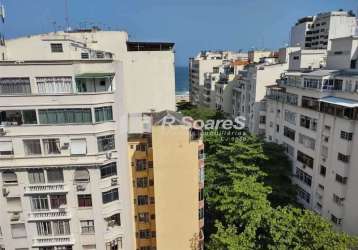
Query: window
pixel 57 201
pixel 9 177
pixel 110 196
pixel 310 103
pixel 84 200
pixel 305 159
pixel 105 143
pixel 141 147
pixel 150 164
pixel 114 244
pixel 312 83
pixel 114 220
pixel 201 194
pixel 262 120
pixel 341 179
pixel 290 117
pixel 323 171
pixel 39 202
pixel 296 58
pixel 54 85
pixel 84 55
pixel 15 86
pixel 343 158
pixel 302 176
pixel 346 135
pixel 6 148
pixel 201 154
pixel 353 64
pixel 65 116
pixel 51 146
pixel 44 228
pixel 142 200
pixel 143 217
pixel 302 194
pixel 61 227
pixel 56 48
pixel 103 114
pixel 141 165
pixel 144 234
pixel 36 176
pixel 78 146
pixel 82 175
pixel 336 220
pixel 109 170
pixel 289 133
pixel 306 141
pixel 17 117
pixel 308 122
pixel 142 182
pixel 18 230
pixel 338 200
pixel 201 213
pixel 55 175
pixel 87 226
pixel 32 147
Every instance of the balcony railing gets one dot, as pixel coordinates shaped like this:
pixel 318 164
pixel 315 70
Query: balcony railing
pixel 46 188
pixel 49 215
pixel 52 241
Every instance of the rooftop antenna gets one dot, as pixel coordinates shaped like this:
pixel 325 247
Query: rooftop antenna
pixel 67 20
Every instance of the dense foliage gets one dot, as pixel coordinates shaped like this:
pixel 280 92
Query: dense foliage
pixel 250 200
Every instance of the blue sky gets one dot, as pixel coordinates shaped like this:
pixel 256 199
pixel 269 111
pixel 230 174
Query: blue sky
pixel 193 25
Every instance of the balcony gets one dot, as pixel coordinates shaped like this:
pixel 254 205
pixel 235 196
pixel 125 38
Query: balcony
pixel 46 188
pixel 47 241
pixel 49 215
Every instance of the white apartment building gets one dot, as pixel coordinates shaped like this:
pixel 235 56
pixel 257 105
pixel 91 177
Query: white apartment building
pixel 317 32
pixel 203 63
pixel 64 104
pixel 223 89
pixel 314 113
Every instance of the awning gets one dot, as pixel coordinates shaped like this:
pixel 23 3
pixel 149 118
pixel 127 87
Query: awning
pixel 340 101
pixel 95 75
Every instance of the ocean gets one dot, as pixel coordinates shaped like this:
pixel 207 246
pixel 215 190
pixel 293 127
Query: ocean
pixel 181 80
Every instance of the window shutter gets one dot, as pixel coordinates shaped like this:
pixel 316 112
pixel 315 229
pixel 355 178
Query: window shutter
pixel 78 147
pixel 5 146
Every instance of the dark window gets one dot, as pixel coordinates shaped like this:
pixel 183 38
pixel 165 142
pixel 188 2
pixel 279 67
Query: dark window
pixel 103 114
pixel 341 179
pixel 57 200
pixel 56 48
pixel 346 135
pixel 302 176
pixel 141 165
pixel 144 234
pixel 142 200
pixel 143 217
pixel 305 159
pixel 342 157
pixel 105 143
pixel 84 200
pixel 115 220
pixel 323 170
pixel 201 194
pixel 201 213
pixel 141 147
pixel 289 133
pixel 84 55
pixel 109 170
pixel 142 182
pixel 110 196
pixel 353 64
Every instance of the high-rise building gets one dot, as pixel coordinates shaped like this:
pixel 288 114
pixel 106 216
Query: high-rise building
pixel 313 113
pixel 168 180
pixel 316 32
pixel 65 180
pixel 206 62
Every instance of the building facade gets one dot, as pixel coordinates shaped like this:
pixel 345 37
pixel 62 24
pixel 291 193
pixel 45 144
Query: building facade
pixel 64 161
pixel 313 114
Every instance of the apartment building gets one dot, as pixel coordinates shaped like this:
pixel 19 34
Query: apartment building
pixel 316 32
pixel 313 113
pixel 255 56
pixel 65 99
pixel 168 194
pixel 203 63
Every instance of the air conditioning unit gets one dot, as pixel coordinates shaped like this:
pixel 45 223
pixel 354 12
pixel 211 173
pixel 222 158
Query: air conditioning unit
pixel 2 132
pixel 114 181
pixel 5 192
pixel 62 208
pixel 15 216
pixel 111 223
pixel 65 146
pixel 109 155
pixel 81 187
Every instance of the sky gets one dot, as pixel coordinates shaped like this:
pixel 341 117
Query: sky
pixel 193 25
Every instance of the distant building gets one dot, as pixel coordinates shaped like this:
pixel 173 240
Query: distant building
pixel 316 32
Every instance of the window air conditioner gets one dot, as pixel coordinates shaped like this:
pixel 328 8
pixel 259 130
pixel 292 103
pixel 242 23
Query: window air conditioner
pixel 2 131
pixel 81 187
pixel 109 155
pixel 5 192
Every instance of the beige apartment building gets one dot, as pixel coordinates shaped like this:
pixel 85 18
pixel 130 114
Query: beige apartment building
pixel 64 104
